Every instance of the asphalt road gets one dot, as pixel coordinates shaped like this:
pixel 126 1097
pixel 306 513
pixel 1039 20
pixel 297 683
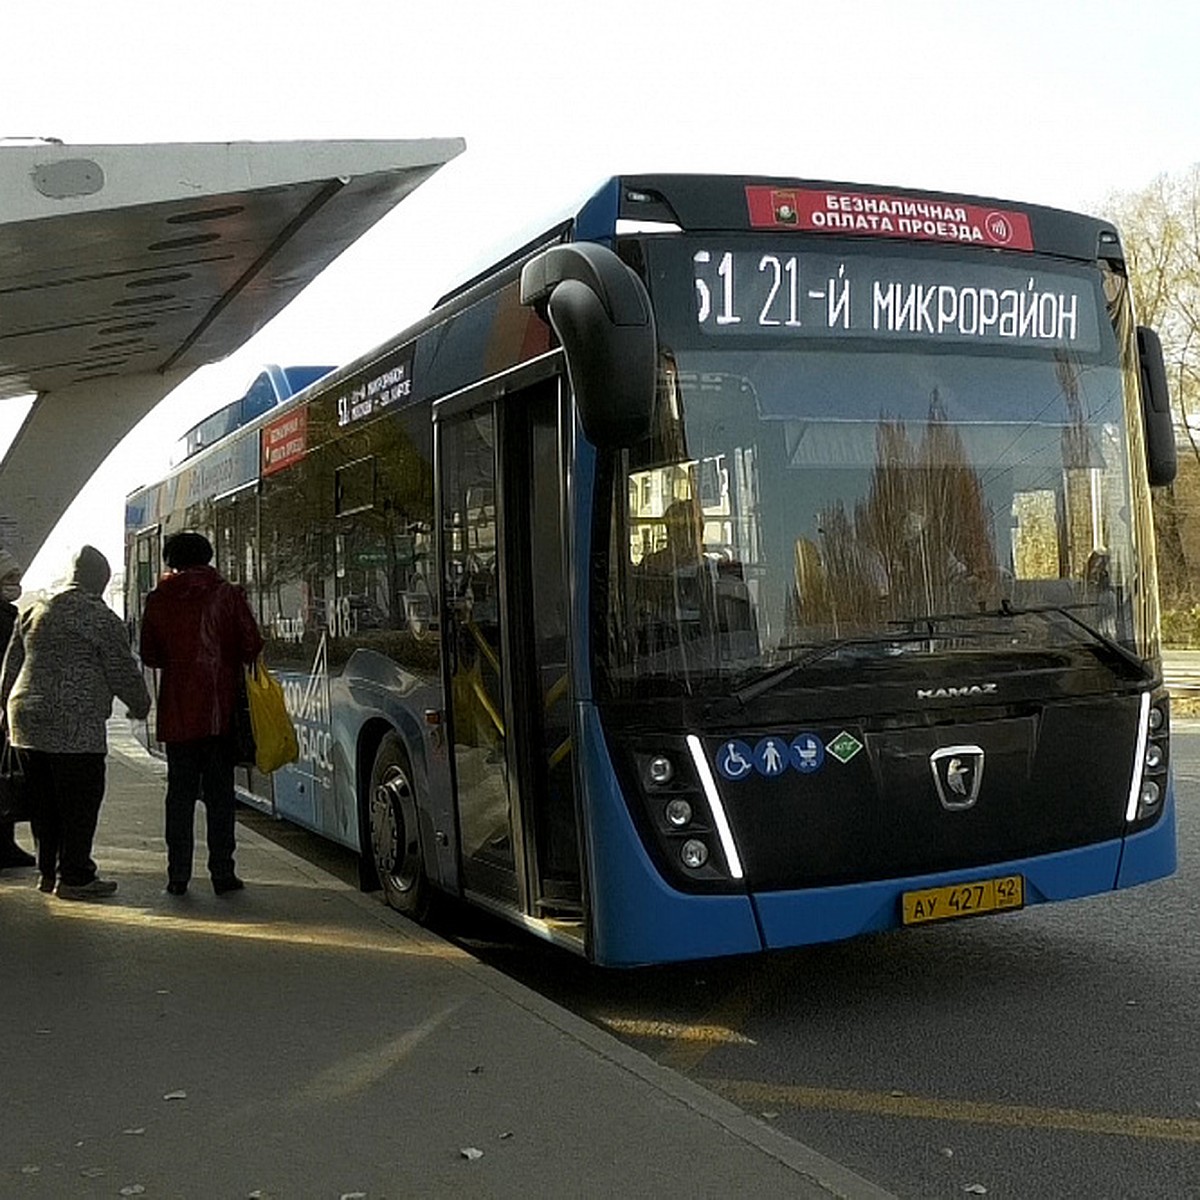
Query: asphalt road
pixel 1048 1053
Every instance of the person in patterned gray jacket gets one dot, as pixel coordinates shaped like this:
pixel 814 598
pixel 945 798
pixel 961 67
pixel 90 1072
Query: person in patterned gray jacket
pixel 69 656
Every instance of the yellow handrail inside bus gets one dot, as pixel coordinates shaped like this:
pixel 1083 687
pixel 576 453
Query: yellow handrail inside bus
pixel 484 646
pixel 561 753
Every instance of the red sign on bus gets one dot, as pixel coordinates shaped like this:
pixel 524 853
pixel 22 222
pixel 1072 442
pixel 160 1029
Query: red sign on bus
pixel 284 441
pixel 876 214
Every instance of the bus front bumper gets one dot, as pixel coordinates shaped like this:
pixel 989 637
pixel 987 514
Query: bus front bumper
pixel 797 918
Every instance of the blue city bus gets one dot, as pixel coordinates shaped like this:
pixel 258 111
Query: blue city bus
pixel 745 563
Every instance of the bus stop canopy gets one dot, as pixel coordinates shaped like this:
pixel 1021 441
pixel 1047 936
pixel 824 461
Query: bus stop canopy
pixel 123 268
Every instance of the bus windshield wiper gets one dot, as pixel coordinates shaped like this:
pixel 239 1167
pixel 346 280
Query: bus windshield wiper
pixel 924 629
pixel 781 674
pixel 1036 610
pixel 1109 643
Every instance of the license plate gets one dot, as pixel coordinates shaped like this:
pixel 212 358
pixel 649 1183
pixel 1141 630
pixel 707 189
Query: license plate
pixel 963 900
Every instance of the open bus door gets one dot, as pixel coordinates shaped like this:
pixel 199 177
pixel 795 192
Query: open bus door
pixel 145 568
pixel 507 684
pixel 233 527
pixel 142 575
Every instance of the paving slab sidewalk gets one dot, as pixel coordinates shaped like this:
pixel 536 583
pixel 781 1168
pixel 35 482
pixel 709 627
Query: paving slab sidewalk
pixel 299 1039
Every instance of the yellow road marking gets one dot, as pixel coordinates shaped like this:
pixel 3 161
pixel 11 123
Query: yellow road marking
pixel 674 1031
pixel 689 1041
pixel 686 1054
pixel 1023 1116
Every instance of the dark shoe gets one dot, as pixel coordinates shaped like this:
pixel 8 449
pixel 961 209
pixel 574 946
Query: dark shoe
pixel 14 856
pixel 177 887
pixel 230 883
pixel 46 884
pixel 96 890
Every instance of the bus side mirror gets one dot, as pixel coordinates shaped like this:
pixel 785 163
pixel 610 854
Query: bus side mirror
pixel 601 313
pixel 1161 460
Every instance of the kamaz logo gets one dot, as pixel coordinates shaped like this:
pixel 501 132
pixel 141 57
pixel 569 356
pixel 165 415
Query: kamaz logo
pixel 957 693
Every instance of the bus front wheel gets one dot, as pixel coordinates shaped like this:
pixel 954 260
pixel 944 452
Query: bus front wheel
pixel 395 835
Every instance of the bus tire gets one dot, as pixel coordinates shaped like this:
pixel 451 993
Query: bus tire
pixel 395 831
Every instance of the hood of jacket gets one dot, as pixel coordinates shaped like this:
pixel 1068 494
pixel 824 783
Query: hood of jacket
pixel 192 583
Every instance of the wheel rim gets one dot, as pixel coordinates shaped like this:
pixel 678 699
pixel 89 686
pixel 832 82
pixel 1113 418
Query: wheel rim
pixel 394 838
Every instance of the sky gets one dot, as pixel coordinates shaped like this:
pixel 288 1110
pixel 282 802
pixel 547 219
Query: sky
pixel 1053 102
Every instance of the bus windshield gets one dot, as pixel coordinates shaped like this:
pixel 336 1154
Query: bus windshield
pixel 869 456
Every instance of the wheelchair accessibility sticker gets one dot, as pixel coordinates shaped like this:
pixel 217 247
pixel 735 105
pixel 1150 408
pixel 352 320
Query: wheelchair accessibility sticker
pixel 774 755
pixel 735 760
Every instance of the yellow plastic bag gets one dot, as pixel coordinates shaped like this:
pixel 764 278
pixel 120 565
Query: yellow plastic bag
pixel 274 734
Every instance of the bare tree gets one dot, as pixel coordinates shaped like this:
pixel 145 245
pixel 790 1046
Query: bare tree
pixel 1160 230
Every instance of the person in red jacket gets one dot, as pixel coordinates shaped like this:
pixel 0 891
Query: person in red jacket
pixel 197 628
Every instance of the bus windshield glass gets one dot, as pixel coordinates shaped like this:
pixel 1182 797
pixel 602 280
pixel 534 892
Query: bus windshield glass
pixel 868 453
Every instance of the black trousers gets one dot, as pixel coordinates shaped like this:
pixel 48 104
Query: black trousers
pixel 69 789
pixel 200 770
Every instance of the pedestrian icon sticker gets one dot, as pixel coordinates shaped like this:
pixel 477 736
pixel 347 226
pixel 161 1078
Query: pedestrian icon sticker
pixel 771 756
pixel 735 759
pixel 807 753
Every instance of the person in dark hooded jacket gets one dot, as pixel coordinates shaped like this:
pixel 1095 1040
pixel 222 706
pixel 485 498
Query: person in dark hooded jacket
pixel 11 854
pixel 69 656
pixel 197 628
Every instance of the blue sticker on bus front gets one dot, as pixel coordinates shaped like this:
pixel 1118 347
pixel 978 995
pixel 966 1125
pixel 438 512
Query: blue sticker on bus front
pixel 808 753
pixel 771 756
pixel 735 760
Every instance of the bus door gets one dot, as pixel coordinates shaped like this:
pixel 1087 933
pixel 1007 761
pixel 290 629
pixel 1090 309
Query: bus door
pixel 508 690
pixel 145 567
pixel 235 525
pixel 233 518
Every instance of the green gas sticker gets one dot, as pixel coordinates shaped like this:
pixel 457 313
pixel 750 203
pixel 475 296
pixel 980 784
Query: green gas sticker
pixel 844 747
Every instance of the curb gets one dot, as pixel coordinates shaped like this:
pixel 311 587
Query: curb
pixel 834 1179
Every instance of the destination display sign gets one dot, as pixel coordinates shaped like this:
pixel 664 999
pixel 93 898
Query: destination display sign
pixel 368 397
pixel 878 214
pixel 771 290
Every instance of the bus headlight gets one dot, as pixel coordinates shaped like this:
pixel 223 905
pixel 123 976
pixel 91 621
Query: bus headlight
pixel 1152 759
pixel 682 810
pixel 678 812
pixel 660 770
